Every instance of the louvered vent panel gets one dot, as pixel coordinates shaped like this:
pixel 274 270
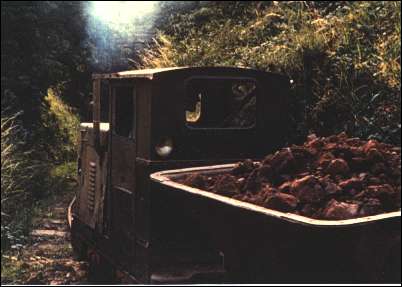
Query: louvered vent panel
pixel 91 186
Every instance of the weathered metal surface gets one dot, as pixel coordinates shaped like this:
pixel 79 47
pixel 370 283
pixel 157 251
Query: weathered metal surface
pixel 92 176
pixel 145 73
pixel 118 203
pixel 86 193
pixel 122 181
pixel 167 177
pixel 264 245
pixel 96 113
pixel 157 72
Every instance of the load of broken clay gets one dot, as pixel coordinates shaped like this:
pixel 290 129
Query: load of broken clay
pixel 330 178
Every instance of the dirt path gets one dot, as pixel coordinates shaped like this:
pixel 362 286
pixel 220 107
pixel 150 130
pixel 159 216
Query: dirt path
pixel 48 257
pixel 51 249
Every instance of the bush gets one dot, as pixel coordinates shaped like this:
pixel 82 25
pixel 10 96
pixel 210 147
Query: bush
pixel 20 175
pixel 58 134
pixel 31 172
pixel 16 171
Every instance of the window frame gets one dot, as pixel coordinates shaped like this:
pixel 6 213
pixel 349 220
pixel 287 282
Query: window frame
pixel 186 88
pixel 105 100
pixel 114 87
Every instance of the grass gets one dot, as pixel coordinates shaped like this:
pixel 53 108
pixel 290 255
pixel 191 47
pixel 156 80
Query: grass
pixel 34 178
pixel 67 118
pixel 13 268
pixel 17 172
pixel 60 127
pixel 38 172
pixel 354 48
pixel 63 182
pixel 15 168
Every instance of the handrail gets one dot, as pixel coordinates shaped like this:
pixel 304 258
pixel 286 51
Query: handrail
pixel 69 213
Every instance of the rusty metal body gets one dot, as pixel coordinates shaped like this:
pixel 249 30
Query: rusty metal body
pixel 265 245
pixel 118 213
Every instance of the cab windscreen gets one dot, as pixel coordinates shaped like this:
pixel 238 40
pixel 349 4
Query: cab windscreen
pixel 220 103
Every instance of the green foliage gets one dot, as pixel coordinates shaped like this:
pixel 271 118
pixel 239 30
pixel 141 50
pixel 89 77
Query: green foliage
pixel 21 177
pixel 11 268
pixel 59 134
pixel 45 65
pixel 354 48
pixel 45 70
pixel 16 168
pixel 43 45
pixel 26 171
pixel 16 244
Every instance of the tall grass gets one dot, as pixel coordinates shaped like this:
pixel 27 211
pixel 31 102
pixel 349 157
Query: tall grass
pixel 27 169
pixel 354 48
pixel 16 171
pixel 23 167
pixel 60 128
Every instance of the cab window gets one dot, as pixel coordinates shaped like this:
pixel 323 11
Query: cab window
pixel 220 103
pixel 124 112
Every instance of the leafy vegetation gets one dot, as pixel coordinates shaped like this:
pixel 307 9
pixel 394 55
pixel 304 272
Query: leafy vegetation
pixel 37 172
pixel 15 171
pixel 20 256
pixel 353 49
pixel 25 178
pixel 342 56
pixel 60 124
pixel 44 72
pixel 17 175
pixel 25 175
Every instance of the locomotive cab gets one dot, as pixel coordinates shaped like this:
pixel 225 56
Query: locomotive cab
pixel 151 120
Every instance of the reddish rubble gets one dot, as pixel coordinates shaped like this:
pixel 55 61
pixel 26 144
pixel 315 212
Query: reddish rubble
pixel 326 178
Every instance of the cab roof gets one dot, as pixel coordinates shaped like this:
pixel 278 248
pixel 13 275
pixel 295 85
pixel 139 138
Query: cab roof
pixel 151 73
